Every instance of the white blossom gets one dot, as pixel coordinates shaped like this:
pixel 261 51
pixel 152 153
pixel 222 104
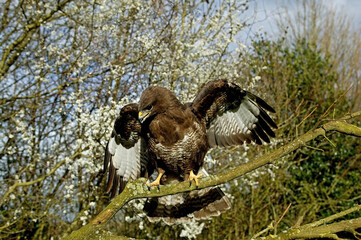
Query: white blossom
pixel 191 229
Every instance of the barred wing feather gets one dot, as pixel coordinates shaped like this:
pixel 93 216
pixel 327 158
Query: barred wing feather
pixel 126 152
pixel 232 115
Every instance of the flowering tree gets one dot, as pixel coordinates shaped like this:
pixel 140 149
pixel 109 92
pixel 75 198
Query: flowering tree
pixel 66 68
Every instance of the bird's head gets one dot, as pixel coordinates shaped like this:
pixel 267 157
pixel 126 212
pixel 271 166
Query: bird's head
pixel 155 100
pixel 145 112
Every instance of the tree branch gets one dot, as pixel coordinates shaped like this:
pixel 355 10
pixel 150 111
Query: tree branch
pixel 318 229
pixel 20 184
pixel 138 188
pixel 13 51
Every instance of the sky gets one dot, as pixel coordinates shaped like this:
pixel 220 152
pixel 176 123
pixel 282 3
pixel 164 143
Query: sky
pixel 267 12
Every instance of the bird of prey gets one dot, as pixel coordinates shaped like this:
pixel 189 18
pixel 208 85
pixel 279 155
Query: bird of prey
pixel 160 133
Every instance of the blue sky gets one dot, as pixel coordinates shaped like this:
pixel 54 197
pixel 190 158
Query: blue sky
pixel 267 11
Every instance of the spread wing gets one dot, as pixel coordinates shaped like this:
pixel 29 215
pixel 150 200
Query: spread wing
pixel 126 152
pixel 232 115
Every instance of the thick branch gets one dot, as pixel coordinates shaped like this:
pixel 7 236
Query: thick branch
pixel 324 230
pixel 319 229
pixel 138 188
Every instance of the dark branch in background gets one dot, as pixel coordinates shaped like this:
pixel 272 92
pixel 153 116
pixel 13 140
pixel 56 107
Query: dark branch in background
pixel 138 189
pixel 21 184
pixel 13 51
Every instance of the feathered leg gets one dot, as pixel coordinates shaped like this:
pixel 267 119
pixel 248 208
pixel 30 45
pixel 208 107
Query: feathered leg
pixel 156 182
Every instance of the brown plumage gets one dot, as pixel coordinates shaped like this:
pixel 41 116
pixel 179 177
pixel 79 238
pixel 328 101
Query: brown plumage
pixel 160 133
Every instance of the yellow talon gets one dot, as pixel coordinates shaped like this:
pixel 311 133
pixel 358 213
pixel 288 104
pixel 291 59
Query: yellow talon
pixel 156 182
pixel 194 177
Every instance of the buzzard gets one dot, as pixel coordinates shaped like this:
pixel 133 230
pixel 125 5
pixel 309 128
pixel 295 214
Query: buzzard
pixel 160 133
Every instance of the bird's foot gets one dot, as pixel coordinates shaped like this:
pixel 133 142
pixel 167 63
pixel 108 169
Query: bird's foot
pixel 193 177
pixel 156 182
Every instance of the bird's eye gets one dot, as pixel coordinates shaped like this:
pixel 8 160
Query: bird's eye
pixel 149 107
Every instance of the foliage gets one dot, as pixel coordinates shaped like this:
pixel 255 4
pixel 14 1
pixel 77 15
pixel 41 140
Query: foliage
pixel 310 87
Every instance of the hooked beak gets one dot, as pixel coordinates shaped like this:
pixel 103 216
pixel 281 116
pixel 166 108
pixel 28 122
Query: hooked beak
pixel 143 115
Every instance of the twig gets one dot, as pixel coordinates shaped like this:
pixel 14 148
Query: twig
pixel 314 148
pixel 284 214
pixel 333 145
pixel 298 125
pixel 269 227
pixel 334 102
pixel 20 184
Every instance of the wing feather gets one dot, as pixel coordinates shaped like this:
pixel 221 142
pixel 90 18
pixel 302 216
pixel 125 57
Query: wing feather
pixel 126 154
pixel 261 133
pixel 110 177
pixel 232 115
pixel 267 118
pixel 115 186
pixel 266 127
pixel 211 136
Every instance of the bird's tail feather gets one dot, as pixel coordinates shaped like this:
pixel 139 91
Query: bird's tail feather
pixel 182 207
